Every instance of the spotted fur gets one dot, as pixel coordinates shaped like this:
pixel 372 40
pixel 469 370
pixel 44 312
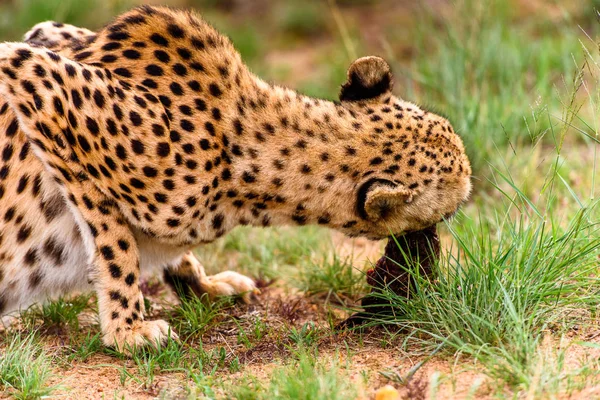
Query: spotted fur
pixel 121 150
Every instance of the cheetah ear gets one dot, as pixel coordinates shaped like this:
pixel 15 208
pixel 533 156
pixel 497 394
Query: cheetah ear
pixel 377 198
pixel 368 77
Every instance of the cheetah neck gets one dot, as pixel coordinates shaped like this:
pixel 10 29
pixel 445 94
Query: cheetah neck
pixel 298 158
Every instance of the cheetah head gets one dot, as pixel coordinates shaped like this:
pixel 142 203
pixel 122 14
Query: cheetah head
pixel 417 172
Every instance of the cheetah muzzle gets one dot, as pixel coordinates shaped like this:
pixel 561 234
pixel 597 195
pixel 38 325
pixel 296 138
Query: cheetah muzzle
pixel 123 149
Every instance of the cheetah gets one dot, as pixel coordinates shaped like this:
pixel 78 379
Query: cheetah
pixel 123 149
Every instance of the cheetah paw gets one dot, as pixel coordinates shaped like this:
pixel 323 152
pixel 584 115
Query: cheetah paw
pixel 231 283
pixel 143 333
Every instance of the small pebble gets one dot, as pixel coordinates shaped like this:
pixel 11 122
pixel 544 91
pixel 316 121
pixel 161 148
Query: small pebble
pixel 388 392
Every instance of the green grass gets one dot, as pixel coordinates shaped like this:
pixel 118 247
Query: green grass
pixel 197 314
pixel 496 78
pixel 60 314
pixel 24 368
pixel 85 348
pixel 305 377
pixel 333 278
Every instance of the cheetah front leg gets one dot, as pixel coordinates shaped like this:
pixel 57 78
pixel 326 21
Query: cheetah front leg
pixel 42 109
pixel 189 278
pixel 115 274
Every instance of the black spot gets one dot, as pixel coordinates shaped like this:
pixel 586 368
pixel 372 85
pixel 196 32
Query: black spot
pixel 22 184
pixel 215 90
pixel 9 214
pixel 12 128
pixel 195 86
pixel 31 257
pixel 154 70
pixel 71 71
pixel 217 221
pixel 99 98
pixel 135 118
pixel 58 106
pixel 150 172
pixel 107 252
pixel 111 46
pixel 248 177
pixel 123 244
pixel 28 86
pixel 123 72
pixel 160 197
pixel 204 144
pixel 299 219
pixel 159 39
pixel 180 69
pixel 196 66
pixel 76 97
pixel 197 43
pixel 187 125
pixel 23 233
pixel 175 31
pixel 137 146
pixel 176 88
pixel 92 126
pixel 35 279
pixel 324 219
pixel 191 201
pixel 163 149
pixel 162 56
pixel 150 83
pixel 115 271
pixel 121 152
pixel 109 58
pixel 136 183
pixel 7 152
pixel 376 161
pixel 121 35
pixel 24 151
pixel 174 136
pixel 130 279
pixel 131 54
pixel 184 53
pixel 210 128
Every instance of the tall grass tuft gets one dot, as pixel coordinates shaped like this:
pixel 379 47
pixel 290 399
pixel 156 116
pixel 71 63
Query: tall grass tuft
pixel 24 368
pixel 508 280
